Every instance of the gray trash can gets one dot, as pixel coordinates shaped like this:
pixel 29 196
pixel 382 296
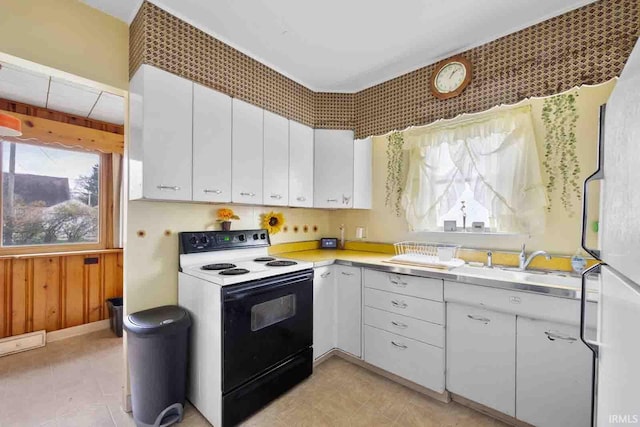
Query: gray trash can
pixel 157 352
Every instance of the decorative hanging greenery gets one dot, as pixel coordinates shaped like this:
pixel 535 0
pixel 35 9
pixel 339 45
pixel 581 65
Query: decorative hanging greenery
pixel 394 172
pixel 559 115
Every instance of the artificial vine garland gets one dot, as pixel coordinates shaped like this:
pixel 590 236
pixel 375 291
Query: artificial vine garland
pixel 559 115
pixel 394 172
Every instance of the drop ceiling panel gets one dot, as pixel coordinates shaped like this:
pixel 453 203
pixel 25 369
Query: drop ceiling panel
pixel 109 108
pixel 71 98
pixel 18 84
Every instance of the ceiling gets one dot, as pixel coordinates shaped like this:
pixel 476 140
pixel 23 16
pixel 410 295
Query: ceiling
pixel 346 46
pixel 41 90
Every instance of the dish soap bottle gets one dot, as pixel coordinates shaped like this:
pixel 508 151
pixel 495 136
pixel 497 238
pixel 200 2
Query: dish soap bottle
pixel 578 263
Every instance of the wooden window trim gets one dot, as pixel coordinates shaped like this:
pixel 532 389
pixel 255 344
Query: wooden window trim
pixel 106 214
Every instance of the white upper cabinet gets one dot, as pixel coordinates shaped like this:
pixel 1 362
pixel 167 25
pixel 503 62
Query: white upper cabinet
pixel 160 147
pixel 333 172
pixel 300 165
pixel 211 145
pixel 276 160
pixel 362 173
pixel 247 153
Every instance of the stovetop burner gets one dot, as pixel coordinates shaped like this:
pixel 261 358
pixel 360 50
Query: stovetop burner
pixel 264 259
pixel 281 263
pixel 218 266
pixel 234 271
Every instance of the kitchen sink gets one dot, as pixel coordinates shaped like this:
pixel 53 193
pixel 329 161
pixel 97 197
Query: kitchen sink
pixel 541 277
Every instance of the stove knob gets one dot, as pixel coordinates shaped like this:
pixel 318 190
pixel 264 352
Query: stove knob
pixel 193 240
pixel 204 240
pixel 263 236
pixel 241 237
pixel 255 236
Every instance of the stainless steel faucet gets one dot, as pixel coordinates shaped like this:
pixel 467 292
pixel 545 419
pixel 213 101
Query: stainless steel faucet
pixel 523 261
pixel 489 259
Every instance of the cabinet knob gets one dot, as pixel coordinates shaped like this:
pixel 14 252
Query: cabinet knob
pixel 168 187
pixel 485 320
pixel 276 196
pixel 301 199
pixel 346 199
pixel 248 194
pixel 213 191
pixel 399 345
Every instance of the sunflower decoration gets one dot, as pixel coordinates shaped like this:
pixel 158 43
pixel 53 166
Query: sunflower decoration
pixel 272 222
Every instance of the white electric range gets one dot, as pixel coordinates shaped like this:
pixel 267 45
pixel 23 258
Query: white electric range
pixel 252 322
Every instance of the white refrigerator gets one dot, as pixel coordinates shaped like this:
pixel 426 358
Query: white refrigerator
pixel 616 341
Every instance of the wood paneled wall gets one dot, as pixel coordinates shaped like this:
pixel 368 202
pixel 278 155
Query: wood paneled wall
pixel 57 291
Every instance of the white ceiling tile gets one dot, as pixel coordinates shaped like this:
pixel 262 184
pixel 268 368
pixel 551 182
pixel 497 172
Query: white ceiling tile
pixel 18 84
pixel 71 98
pixel 109 108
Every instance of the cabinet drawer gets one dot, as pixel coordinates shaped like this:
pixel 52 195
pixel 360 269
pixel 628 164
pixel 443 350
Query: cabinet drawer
pixel 418 308
pixel 22 343
pixel 420 287
pixel 561 310
pixel 408 327
pixel 415 361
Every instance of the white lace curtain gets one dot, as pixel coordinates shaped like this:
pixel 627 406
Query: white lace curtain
pixel 495 155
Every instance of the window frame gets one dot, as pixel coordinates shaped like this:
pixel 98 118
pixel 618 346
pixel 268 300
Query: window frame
pixel 105 214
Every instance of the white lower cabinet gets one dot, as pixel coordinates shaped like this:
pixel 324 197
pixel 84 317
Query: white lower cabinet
pixel 349 309
pixel 553 375
pixel 324 311
pixel 481 356
pixel 413 360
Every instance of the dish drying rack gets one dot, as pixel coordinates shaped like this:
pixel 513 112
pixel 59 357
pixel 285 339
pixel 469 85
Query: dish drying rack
pixel 426 254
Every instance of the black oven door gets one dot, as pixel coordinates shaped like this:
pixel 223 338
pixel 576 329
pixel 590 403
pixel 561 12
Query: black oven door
pixel 265 322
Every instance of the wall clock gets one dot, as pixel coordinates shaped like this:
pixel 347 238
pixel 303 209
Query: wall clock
pixel 451 77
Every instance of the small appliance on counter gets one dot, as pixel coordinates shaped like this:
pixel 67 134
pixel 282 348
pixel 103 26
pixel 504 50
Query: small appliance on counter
pixel 328 243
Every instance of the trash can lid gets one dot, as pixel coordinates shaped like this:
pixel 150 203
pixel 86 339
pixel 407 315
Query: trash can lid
pixel 159 320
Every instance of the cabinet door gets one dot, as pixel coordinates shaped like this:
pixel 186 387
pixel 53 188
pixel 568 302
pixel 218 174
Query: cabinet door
pixel 324 305
pixel 349 303
pixel 276 160
pixel 161 138
pixel 300 165
pixel 333 169
pixel 362 173
pixel 554 375
pixel 211 145
pixel 247 155
pixel 481 356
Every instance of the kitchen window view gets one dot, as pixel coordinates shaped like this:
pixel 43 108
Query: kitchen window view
pixel 50 196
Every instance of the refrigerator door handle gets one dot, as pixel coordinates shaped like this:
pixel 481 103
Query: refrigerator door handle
pixel 598 175
pixel 583 337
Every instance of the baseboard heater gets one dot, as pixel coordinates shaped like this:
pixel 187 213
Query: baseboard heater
pixel 24 342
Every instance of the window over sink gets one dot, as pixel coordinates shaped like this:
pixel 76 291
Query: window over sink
pixel 490 163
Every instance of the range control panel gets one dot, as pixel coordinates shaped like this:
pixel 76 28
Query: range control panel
pixel 208 241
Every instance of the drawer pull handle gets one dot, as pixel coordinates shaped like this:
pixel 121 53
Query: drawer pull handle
pixel 399 304
pixel 401 346
pixel 552 336
pixel 485 320
pixel 398 283
pixel 399 325
pixel 168 187
pixel 248 194
pixel 301 199
pixel 213 191
pixel 344 273
pixel 332 200
pixel 325 275
pixel 276 196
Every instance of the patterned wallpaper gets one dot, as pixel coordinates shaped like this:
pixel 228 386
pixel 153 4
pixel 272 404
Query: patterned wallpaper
pixel 588 45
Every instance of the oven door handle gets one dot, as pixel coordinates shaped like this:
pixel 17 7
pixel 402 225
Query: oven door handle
pixel 259 287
